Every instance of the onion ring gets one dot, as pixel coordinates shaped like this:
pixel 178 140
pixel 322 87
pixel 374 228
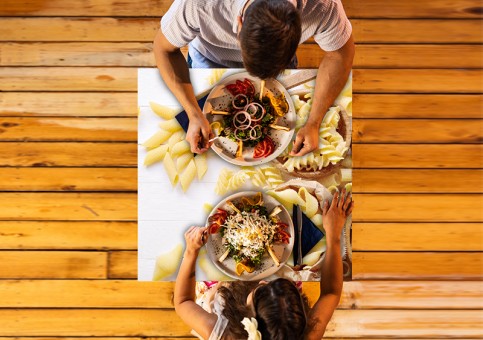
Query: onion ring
pixel 240 95
pixel 235 133
pixel 252 110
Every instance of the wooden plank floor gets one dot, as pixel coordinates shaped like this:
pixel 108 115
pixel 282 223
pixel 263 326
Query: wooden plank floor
pixel 68 121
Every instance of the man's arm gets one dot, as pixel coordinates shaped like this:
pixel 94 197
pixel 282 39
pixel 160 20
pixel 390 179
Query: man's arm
pixel 331 271
pixel 184 291
pixel 174 71
pixel 331 78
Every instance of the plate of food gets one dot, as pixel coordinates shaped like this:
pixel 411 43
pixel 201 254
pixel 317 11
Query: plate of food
pixel 253 120
pixel 251 236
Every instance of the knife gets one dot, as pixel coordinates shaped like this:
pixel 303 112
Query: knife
pixel 297 219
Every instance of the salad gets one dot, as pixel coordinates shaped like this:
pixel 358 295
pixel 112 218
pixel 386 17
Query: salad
pixel 248 230
pixel 250 116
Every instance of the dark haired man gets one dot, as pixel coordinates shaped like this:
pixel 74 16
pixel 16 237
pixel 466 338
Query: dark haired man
pixel 261 36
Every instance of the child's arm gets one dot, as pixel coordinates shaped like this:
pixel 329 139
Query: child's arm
pixel 184 292
pixel 331 281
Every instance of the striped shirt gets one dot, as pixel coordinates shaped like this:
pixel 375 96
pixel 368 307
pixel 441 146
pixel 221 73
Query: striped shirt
pixel 210 26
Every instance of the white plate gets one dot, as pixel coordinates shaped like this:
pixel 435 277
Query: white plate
pixel 215 248
pixel 219 99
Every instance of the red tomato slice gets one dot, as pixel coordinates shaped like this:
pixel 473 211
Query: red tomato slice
pixel 260 149
pixel 213 228
pixel 250 87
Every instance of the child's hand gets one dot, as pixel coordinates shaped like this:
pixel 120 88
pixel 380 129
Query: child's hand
pixel 334 217
pixel 195 238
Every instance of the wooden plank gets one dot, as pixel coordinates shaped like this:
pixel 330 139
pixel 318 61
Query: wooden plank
pixel 52 265
pixel 79 29
pixel 417 156
pixel 417 266
pixel 125 179
pixel 125 79
pixel 417 81
pixel 69 129
pixel 68 154
pixel 417 106
pixel 394 56
pixel 133 294
pixel 90 104
pixel 135 322
pixel 121 207
pixel 125 130
pixel 144 29
pixel 413 9
pixel 310 55
pixel 68 207
pixel 453 131
pixel 68 235
pixel 124 104
pixel 68 179
pixel 417 181
pixel 123 264
pixel 417 208
pixel 417 236
pixel 77 54
pixel 354 8
pixel 416 31
pixel 68 79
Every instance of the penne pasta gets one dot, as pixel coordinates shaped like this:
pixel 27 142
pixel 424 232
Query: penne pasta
pixel 188 175
pixel 180 148
pixel 165 112
pixel 155 155
pixel 170 169
pixel 183 160
pixel 157 139
pixel 201 163
pixel 170 125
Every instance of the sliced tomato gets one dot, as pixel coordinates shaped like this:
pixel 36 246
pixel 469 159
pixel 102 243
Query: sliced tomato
pixel 250 87
pixel 233 89
pixel 213 228
pixel 260 149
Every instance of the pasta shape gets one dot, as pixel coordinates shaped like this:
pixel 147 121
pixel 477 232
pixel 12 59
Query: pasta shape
pixel 201 163
pixel 165 112
pixel 170 169
pixel 170 125
pixel 215 76
pixel 167 264
pixel 183 160
pixel 180 148
pixel 311 204
pixel 188 175
pixel 222 183
pixel 175 138
pixel 155 155
pixel 157 139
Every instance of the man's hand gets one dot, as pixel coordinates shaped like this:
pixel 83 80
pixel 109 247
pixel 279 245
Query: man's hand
pixel 199 134
pixel 307 140
pixel 334 217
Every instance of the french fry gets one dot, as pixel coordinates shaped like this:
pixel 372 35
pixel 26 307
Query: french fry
pixel 272 255
pixel 279 127
pixel 224 256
